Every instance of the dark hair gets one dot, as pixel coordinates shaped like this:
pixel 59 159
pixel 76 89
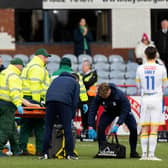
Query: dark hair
pixel 151 52
pixel 103 89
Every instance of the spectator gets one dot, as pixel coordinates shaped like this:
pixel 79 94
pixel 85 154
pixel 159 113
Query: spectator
pixel 115 104
pixel 35 84
pixel 140 49
pixel 82 38
pixel 161 42
pixel 2 67
pixel 61 99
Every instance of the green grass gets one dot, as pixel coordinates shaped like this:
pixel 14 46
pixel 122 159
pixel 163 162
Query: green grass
pixel 87 150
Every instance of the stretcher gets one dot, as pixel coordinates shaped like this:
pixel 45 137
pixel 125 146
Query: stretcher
pixel 32 112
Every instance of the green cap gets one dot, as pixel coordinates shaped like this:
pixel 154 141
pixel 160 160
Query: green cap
pixel 42 51
pixel 16 61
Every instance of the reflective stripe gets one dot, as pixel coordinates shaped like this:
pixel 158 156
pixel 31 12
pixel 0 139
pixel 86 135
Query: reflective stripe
pixel 15 89
pixel 4 95
pixel 3 88
pixel 35 79
pixel 16 97
pixel 88 77
pixel 36 91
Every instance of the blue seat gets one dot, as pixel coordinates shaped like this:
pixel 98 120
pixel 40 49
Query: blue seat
pixel 99 58
pixel 115 58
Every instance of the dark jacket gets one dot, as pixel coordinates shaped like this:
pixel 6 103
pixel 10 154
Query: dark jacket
pixel 64 89
pixel 79 42
pixel 2 67
pixel 92 75
pixel 117 104
pixel 161 42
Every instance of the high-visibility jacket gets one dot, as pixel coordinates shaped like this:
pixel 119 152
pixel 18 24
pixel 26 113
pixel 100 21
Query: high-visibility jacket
pixel 90 81
pixel 11 85
pixel 35 79
pixel 83 93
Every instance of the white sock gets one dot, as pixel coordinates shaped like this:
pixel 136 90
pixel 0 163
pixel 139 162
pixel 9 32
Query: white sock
pixel 152 143
pixel 144 144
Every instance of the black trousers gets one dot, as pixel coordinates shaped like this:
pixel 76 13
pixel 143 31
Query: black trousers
pixel 53 110
pixel 130 121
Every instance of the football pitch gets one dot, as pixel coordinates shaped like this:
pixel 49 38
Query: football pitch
pixel 87 150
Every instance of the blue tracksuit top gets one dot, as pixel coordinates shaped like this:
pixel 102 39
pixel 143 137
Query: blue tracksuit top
pixel 64 89
pixel 117 104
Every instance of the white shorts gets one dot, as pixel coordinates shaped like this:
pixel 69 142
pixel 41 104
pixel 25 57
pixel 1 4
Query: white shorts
pixel 151 110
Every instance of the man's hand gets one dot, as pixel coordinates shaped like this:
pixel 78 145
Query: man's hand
pixel 92 133
pixel 20 109
pixel 85 108
pixel 115 129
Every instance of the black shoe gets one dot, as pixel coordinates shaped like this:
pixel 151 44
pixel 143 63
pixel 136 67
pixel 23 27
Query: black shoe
pixel 44 157
pixel 72 157
pixel 134 155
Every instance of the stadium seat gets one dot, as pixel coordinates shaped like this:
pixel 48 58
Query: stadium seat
pixel 100 58
pixel 101 66
pixel 131 91
pixel 6 59
pixel 103 74
pixel 54 59
pixel 131 66
pixel 130 75
pixel 130 82
pixel 23 57
pixel 117 66
pixel 75 67
pixel 116 75
pixel 117 81
pixel 72 57
pixel 83 57
pixel 102 80
pixel 52 67
pixel 115 58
